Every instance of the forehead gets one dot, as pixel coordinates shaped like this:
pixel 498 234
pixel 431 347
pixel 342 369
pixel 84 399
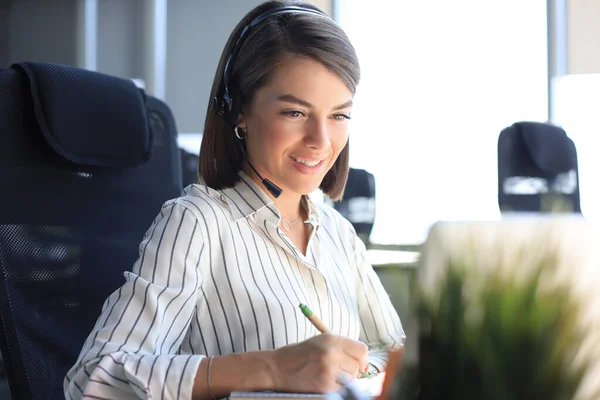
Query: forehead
pixel 307 79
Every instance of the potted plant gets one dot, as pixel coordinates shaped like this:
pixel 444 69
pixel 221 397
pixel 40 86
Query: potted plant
pixel 505 313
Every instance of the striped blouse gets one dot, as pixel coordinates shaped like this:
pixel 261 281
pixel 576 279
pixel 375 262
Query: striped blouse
pixel 216 275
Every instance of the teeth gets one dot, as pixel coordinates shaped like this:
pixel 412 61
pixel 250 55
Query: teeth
pixel 307 163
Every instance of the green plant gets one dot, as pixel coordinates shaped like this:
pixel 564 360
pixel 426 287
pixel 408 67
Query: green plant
pixel 510 330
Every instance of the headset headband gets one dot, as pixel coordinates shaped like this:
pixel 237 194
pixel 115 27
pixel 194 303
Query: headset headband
pixel 223 100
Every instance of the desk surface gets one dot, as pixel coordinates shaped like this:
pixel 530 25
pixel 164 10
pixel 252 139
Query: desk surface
pixel 407 259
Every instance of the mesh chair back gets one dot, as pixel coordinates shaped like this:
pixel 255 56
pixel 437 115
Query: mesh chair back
pixel 86 161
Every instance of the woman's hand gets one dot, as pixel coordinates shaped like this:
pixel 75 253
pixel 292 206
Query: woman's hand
pixel 315 365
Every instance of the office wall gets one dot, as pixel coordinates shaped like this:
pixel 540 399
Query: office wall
pixel 4 12
pixel 120 38
pixel 583 36
pixel 53 31
pixel 196 34
pixel 42 30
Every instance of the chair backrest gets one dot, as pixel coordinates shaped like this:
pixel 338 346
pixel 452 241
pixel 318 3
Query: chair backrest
pixel 86 161
pixel 537 162
pixel 358 202
pixel 189 167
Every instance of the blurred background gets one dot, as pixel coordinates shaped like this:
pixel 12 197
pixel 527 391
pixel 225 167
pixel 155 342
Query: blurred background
pixel 440 81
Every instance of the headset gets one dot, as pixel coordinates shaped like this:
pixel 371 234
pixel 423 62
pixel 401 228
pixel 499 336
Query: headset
pixel 223 100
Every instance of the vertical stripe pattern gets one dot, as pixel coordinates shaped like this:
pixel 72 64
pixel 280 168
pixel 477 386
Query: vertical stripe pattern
pixel 215 275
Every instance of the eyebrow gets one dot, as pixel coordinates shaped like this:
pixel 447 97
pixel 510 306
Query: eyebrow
pixel 290 98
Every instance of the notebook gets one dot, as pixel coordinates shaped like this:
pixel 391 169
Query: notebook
pixel 279 396
pixel 366 388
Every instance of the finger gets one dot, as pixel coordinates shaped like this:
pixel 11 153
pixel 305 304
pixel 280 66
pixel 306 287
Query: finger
pixel 349 365
pixel 363 366
pixel 355 349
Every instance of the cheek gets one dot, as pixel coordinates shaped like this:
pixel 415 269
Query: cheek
pixel 339 141
pixel 279 136
pixel 271 144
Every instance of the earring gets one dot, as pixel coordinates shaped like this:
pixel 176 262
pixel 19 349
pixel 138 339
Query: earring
pixel 241 136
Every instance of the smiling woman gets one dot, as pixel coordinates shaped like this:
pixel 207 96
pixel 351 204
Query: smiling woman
pixel 211 305
pixel 295 128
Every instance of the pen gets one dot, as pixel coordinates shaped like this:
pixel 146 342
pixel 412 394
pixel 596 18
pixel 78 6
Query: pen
pixel 317 323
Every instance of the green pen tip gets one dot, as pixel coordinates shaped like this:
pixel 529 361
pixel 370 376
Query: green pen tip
pixel 305 310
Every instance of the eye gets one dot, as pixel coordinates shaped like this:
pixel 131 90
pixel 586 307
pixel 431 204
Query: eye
pixel 341 117
pixel 293 113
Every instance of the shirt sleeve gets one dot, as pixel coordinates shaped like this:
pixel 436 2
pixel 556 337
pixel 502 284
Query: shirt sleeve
pixel 132 350
pixel 381 328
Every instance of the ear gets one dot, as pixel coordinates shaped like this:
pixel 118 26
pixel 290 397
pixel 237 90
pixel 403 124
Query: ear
pixel 241 120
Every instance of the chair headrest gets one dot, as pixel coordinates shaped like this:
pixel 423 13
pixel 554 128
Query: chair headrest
pixel 87 117
pixel 549 146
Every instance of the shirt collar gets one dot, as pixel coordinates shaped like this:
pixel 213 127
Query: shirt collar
pixel 246 198
pixel 311 211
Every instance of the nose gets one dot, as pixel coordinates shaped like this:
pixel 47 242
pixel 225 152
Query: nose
pixel 318 136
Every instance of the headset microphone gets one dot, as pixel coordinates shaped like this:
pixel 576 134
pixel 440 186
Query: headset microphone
pixel 271 187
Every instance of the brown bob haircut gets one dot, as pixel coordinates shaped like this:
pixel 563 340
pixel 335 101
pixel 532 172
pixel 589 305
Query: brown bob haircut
pixel 277 38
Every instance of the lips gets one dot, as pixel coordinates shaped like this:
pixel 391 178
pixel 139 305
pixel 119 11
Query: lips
pixel 308 162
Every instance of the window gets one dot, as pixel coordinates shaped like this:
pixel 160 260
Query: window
pixel 576 104
pixel 440 81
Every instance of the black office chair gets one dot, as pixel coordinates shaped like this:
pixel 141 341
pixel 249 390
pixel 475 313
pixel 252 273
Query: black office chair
pixel 358 202
pixel 189 167
pixel 86 162
pixel 537 169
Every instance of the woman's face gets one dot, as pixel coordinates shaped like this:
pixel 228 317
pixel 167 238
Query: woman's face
pixel 297 124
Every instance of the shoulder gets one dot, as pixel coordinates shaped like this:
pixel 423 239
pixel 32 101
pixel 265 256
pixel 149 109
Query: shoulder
pixel 333 221
pixel 203 202
pixel 338 234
